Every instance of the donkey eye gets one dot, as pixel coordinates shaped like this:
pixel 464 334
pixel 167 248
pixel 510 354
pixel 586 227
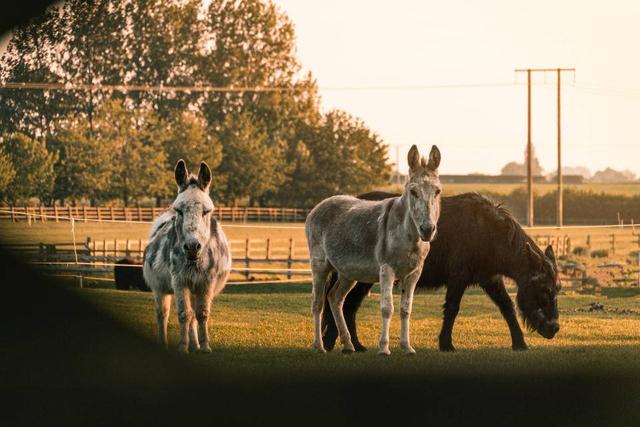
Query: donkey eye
pixel 206 212
pixel 179 211
pixel 438 191
pixel 413 192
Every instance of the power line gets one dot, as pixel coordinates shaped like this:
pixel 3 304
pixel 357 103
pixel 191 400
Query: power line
pixel 234 89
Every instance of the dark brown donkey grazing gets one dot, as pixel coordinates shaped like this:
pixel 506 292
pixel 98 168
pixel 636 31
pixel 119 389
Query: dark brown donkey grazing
pixel 478 242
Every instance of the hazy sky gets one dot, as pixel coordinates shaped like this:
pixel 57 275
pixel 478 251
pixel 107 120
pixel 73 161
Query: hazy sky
pixel 402 43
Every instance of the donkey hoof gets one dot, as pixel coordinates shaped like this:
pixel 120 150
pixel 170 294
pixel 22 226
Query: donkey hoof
pixel 319 348
pixel 205 349
pixel 348 351
pixel 447 347
pixel 193 349
pixel 384 352
pixel 360 348
pixel 520 347
pixel 182 349
pixel 409 351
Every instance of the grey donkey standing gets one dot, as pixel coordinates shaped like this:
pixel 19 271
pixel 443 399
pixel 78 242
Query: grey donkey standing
pixel 380 241
pixel 187 256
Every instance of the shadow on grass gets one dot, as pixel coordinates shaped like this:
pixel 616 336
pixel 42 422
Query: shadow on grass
pixel 63 362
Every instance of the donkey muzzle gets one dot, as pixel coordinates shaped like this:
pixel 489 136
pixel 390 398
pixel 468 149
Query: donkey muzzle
pixel 427 232
pixel 192 249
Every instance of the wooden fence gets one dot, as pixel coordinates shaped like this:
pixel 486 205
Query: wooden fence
pixel 615 241
pixel 252 258
pixel 88 213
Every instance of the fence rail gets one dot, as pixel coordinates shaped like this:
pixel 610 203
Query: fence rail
pixel 252 258
pixel 97 213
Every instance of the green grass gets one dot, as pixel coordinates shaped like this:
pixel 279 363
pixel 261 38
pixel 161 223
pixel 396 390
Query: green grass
pixel 260 330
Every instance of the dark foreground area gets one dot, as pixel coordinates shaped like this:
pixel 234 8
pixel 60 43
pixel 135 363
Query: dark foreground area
pixel 62 362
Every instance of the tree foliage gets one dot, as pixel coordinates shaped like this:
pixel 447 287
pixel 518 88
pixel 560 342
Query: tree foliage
pixel 260 144
pixel 33 165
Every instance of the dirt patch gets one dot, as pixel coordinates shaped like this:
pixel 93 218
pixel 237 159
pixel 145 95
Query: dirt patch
pixel 596 307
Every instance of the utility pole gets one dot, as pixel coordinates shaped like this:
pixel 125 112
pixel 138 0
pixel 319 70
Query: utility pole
pixel 529 145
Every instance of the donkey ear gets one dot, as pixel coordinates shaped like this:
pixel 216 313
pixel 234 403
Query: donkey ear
pixel 204 175
pixel 434 158
pixel 413 158
pixel 533 256
pixel 181 173
pixel 550 254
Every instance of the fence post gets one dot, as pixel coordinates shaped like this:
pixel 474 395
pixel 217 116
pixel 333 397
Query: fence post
pixel 268 248
pixel 84 213
pixel 55 212
pixel 613 244
pixel 104 251
pixel 13 215
pixel 568 245
pixel 246 214
pixel 247 262
pixel 42 214
pixel 589 242
pixel 126 252
pixel 290 259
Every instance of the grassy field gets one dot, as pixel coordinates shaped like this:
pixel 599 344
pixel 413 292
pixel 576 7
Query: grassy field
pixel 260 330
pixel 625 189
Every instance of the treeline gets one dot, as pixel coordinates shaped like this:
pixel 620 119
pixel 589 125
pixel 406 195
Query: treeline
pixel 580 207
pixel 265 147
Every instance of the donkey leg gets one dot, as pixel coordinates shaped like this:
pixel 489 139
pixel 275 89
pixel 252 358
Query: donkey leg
pixel 329 328
pixel 336 297
pixel 185 316
pixel 496 290
pixel 351 305
pixel 451 308
pixel 163 308
pixel 194 345
pixel 203 307
pixel 320 270
pixel 387 276
pixel 406 305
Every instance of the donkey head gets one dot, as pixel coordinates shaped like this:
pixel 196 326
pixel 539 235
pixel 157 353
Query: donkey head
pixel 538 292
pixel 193 208
pixel 423 191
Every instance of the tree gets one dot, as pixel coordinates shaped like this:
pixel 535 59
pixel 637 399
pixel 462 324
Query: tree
pixel 612 175
pixel 140 161
pixel 31 56
pixel 7 171
pixel 186 136
pixel 515 168
pixel 340 155
pixel 248 163
pixel 86 162
pixel 34 168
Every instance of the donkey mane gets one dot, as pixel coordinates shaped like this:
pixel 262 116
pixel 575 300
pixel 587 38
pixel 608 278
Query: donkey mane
pixel 192 180
pixel 497 213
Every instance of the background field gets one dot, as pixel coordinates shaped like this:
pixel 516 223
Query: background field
pixel 623 189
pixel 267 331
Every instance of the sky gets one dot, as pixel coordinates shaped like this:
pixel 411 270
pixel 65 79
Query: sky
pixel 384 45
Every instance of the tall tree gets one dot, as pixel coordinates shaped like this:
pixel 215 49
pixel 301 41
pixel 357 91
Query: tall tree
pixel 34 168
pixel 7 171
pixel 187 136
pixel 32 55
pixel 140 161
pixel 340 155
pixel 87 161
pixel 248 163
